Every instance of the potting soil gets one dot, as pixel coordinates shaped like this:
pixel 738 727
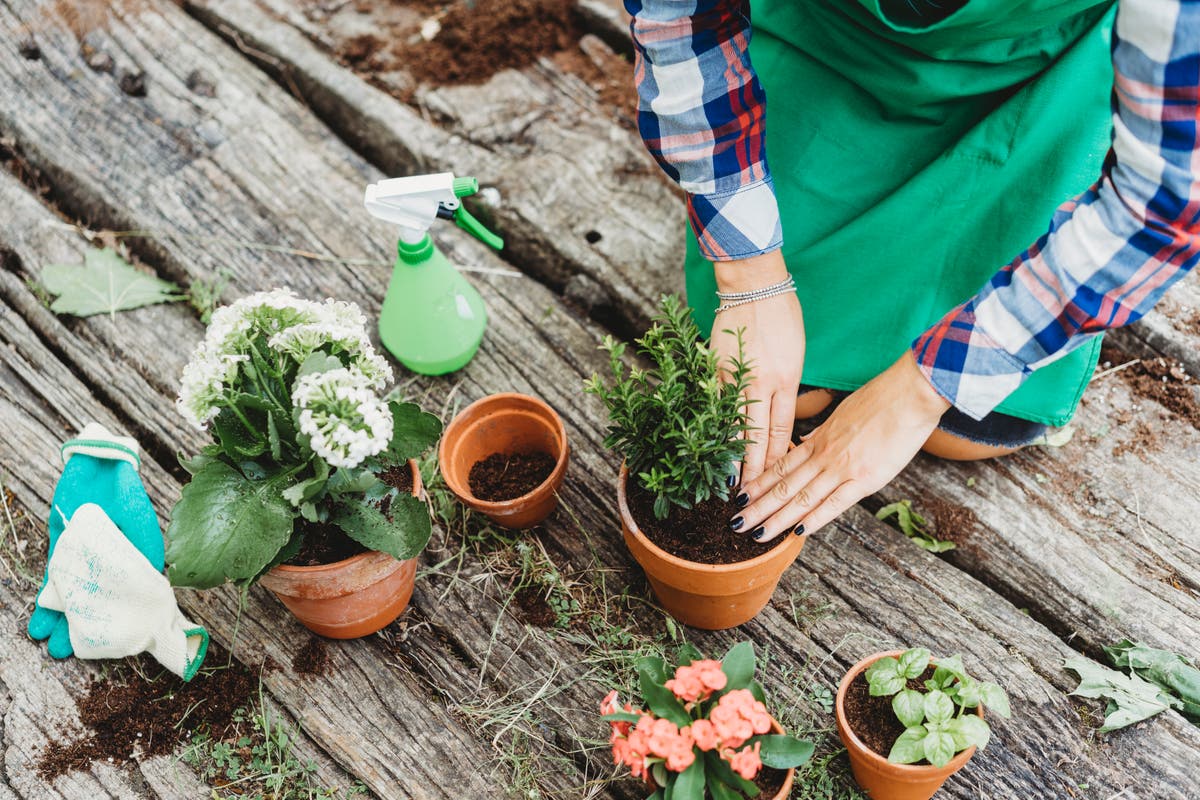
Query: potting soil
pixel 123 720
pixel 327 544
pixel 872 718
pixel 505 476
pixel 699 534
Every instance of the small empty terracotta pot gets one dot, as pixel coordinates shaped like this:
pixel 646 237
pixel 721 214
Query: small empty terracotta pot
pixel 351 598
pixel 505 423
pixel 878 777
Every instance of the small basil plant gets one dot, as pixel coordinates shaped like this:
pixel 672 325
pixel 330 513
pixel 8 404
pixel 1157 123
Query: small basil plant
pixel 939 722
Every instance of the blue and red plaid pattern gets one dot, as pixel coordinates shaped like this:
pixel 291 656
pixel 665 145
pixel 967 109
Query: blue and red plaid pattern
pixel 1111 252
pixel 1108 256
pixel 702 113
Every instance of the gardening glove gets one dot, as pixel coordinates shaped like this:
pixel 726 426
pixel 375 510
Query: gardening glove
pixel 99 468
pixel 115 603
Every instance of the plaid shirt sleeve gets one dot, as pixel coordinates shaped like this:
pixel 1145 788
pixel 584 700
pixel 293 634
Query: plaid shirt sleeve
pixel 1110 253
pixel 702 114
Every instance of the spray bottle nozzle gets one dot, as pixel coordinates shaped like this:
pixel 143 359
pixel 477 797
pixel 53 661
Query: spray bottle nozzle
pixel 414 203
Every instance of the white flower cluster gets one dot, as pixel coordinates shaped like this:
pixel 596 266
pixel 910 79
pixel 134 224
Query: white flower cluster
pixel 341 414
pixel 292 326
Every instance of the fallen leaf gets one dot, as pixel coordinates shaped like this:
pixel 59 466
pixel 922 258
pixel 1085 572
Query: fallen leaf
pixel 104 284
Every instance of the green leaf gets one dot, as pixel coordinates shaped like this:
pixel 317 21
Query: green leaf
pixel 620 716
pixel 909 706
pixel 966 693
pixel 226 527
pixel 318 362
pixel 909 747
pixel 738 665
pixel 884 677
pixel 665 704
pixel 938 706
pixel 287 551
pixel 105 284
pixel 688 653
pixel 995 699
pixel 949 668
pixel 659 771
pixel 784 752
pixel 1131 699
pixel 939 747
pixel 413 432
pixel 969 730
pixel 402 532
pixel 913 663
pixel 652 668
pixel 721 790
pixel 1169 671
pixel 195 463
pixel 689 785
pixel 304 491
pixel 720 769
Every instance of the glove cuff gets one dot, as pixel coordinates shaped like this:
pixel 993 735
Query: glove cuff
pixel 95 440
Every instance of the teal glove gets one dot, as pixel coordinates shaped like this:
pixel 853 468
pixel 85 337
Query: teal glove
pixel 103 469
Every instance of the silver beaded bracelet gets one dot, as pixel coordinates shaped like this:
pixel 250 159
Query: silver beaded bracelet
pixel 733 299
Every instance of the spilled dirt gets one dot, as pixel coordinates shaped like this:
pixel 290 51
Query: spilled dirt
pixel 466 42
pixel 1163 380
pixel 123 720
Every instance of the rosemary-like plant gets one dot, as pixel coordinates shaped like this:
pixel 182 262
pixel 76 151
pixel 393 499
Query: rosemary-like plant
pixel 678 426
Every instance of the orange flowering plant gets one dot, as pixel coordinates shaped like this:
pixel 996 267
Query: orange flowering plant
pixel 706 731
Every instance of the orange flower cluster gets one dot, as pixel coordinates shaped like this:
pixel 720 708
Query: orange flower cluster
pixel 697 681
pixel 736 717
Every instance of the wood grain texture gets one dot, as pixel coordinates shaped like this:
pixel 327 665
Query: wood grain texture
pixel 1092 551
pixel 251 165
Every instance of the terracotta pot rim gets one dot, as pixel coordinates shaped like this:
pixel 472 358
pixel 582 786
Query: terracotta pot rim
pixel 914 770
pixel 464 491
pixel 354 560
pixel 696 566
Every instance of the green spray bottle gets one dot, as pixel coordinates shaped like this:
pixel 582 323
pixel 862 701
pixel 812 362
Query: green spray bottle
pixel 432 320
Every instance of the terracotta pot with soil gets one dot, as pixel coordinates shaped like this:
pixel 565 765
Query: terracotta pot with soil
pixel 712 596
pixel 351 597
pixel 505 456
pixel 868 727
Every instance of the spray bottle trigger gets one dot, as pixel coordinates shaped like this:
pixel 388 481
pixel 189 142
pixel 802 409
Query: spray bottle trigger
pixel 468 223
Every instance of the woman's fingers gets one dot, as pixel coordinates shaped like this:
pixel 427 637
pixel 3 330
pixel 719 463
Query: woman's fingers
pixel 833 506
pixel 783 417
pixel 759 412
pixel 802 502
pixel 777 485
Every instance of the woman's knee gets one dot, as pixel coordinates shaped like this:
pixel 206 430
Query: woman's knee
pixel 957 448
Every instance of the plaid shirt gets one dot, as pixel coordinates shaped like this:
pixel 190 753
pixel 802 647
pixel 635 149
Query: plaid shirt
pixel 1109 254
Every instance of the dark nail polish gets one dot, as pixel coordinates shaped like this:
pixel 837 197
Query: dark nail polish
pixel 742 500
pixel 736 523
pixel 757 533
pixel 731 481
pixel 799 529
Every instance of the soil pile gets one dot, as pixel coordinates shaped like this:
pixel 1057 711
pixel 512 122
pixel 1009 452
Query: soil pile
pixel 506 476
pixel 327 544
pixel 951 522
pixel 1162 380
pixel 123 720
pixel 700 533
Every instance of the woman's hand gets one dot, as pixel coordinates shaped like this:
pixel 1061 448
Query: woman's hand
pixel 865 443
pixel 773 344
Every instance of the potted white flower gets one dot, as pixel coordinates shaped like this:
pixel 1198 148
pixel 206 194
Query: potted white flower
pixel 309 483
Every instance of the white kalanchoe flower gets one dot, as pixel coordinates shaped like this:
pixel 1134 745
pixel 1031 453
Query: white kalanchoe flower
pixel 341 414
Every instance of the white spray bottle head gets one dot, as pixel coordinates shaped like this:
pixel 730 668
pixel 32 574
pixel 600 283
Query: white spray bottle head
pixel 413 203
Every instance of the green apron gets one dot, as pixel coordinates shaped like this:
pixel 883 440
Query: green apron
pixel 912 161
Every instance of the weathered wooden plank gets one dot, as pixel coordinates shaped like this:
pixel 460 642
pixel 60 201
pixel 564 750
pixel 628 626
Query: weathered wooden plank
pixel 523 351
pixel 491 115
pixel 580 203
pixel 323 711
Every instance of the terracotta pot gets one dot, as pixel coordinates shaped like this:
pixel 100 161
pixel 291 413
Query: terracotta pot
pixel 878 777
pixel 505 423
pixel 710 596
pixel 351 598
